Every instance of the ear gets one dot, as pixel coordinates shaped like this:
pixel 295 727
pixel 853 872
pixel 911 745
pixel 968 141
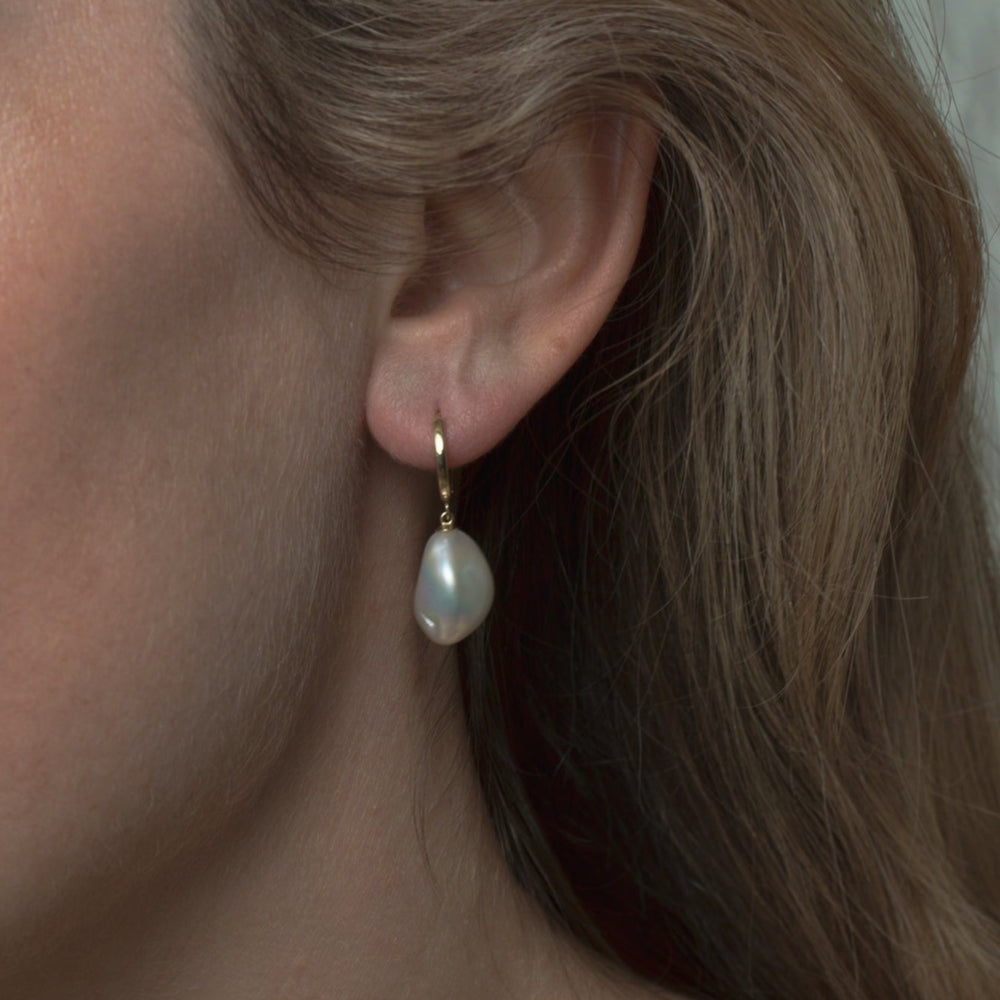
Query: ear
pixel 480 331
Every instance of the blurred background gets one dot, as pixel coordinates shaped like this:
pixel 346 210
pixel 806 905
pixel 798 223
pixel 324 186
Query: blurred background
pixel 958 42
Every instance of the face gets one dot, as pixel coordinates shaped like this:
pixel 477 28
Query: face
pixel 177 395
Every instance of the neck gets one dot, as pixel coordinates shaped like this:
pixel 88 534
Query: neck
pixel 365 866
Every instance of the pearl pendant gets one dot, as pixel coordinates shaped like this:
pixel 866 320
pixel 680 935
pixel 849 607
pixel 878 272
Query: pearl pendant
pixel 454 589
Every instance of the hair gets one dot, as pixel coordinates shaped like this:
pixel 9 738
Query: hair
pixel 735 716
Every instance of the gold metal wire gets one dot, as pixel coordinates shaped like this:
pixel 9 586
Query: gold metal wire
pixel 444 478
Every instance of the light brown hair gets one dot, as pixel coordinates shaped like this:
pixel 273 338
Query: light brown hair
pixel 735 716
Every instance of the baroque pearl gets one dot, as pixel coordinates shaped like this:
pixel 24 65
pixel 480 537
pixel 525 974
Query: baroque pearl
pixel 454 589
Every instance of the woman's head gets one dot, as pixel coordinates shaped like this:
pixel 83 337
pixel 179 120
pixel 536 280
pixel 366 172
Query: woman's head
pixel 187 489
pixel 743 589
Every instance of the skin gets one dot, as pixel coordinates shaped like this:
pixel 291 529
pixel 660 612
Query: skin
pixel 158 444
pixel 229 765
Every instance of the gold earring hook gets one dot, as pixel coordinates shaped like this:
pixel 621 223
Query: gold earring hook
pixel 444 478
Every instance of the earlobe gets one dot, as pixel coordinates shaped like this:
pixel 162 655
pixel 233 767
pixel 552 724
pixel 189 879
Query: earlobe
pixel 533 271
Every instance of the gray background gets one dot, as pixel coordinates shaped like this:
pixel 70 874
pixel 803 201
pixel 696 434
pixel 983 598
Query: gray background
pixel 962 38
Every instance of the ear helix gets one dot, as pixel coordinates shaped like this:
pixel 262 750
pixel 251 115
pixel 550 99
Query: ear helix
pixel 454 591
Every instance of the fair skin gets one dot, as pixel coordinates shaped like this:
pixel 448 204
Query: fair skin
pixel 230 766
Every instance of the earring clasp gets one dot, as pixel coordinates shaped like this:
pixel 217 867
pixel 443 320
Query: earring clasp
pixel 443 476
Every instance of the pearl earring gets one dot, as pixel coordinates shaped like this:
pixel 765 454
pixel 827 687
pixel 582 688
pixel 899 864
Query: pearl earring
pixel 455 586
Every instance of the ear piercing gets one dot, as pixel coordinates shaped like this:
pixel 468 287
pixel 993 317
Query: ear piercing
pixel 455 587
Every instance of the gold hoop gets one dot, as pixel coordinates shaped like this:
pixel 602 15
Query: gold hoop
pixel 444 478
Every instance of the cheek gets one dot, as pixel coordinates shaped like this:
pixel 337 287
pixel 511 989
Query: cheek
pixel 163 506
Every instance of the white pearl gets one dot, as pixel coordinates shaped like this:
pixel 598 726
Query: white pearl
pixel 455 588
